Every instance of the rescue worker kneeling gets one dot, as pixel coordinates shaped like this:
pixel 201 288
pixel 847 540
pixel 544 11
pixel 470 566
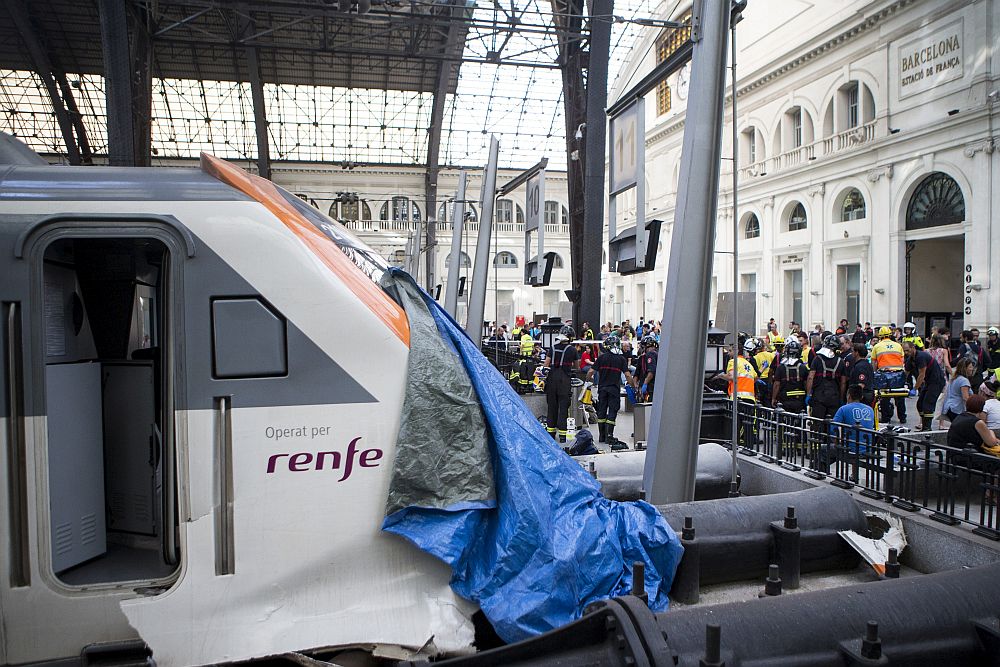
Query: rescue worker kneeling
pixel 562 361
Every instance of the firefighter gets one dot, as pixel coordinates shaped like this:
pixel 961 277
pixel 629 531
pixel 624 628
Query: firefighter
pixel 887 360
pixel 827 380
pixel 789 390
pixel 609 368
pixel 524 372
pixel 562 361
pixel 646 370
pixel 930 382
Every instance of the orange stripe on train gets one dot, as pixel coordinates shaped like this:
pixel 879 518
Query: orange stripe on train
pixel 353 277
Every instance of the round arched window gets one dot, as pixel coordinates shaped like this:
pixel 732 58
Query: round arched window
pixel 853 207
pixel 937 201
pixel 751 229
pixel 505 260
pixel 797 218
pixel 463 260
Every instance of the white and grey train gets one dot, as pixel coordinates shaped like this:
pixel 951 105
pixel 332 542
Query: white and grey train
pixel 202 387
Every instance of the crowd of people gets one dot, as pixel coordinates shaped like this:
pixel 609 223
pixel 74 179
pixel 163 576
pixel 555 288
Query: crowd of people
pixel 845 375
pixel 842 375
pixel 598 362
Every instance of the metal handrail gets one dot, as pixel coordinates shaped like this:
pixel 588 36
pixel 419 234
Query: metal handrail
pixel 910 471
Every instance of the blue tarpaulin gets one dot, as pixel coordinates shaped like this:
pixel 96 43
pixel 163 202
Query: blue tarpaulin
pixel 549 543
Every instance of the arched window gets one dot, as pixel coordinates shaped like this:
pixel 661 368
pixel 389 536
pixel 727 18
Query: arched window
pixel 505 211
pixel 796 128
pixel 350 209
pixel 463 260
pixel 751 228
pixel 750 145
pixel 505 260
pixel 403 210
pixel 853 207
pixel 558 261
pixel 937 201
pixel 446 208
pixel 854 104
pixel 797 218
pixel 555 213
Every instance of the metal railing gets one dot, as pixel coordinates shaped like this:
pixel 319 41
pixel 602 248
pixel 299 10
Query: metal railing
pixel 842 141
pixel 911 471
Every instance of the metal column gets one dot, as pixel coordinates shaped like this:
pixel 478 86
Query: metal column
pixel 244 21
pixel 259 113
pixel 481 265
pixel 434 145
pixel 43 67
pixel 455 259
pixel 675 423
pixel 117 82
pixel 589 305
pixel 568 16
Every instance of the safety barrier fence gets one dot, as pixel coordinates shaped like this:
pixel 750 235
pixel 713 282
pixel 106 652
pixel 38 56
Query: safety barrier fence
pixel 911 471
pixel 502 354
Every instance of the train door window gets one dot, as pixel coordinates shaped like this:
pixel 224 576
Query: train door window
pixel 112 514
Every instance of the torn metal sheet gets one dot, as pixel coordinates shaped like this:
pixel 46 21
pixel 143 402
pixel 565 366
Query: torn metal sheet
pixel 887 533
pixel 312 568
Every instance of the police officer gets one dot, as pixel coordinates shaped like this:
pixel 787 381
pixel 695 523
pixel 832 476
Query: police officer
pixel 993 347
pixel 610 367
pixel 562 361
pixel 789 389
pixel 646 370
pixel 887 360
pixel 827 380
pixel 910 335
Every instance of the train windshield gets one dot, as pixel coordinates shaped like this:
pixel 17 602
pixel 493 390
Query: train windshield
pixel 366 259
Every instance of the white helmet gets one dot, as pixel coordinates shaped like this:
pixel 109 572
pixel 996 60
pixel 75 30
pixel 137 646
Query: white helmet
pixel 750 346
pixel 993 331
pixel 909 325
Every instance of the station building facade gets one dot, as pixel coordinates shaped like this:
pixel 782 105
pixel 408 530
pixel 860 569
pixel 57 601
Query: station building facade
pixel 385 206
pixel 867 163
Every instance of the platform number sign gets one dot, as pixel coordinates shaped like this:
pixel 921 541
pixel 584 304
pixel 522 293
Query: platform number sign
pixel 534 229
pixel 626 171
pixel 625 154
pixel 534 199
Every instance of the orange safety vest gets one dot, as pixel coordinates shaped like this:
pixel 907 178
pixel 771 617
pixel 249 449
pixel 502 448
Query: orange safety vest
pixel 745 381
pixel 887 355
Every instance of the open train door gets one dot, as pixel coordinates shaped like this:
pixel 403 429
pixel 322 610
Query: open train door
pixel 90 337
pixel 295 366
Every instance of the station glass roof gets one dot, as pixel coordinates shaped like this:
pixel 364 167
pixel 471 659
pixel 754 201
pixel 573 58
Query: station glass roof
pixel 508 84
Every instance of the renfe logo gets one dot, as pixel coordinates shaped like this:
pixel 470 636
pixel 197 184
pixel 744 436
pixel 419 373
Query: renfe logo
pixel 305 461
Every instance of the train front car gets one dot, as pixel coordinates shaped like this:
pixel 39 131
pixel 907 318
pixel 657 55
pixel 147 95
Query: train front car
pixel 204 384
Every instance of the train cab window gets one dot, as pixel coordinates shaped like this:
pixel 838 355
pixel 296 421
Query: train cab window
pixel 111 484
pixel 249 339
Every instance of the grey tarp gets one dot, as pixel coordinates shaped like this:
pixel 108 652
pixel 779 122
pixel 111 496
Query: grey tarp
pixel 442 454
